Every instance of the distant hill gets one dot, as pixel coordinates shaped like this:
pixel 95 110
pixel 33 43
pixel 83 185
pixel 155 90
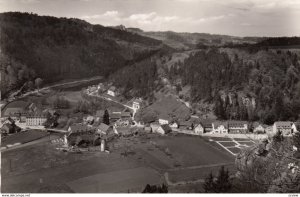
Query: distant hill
pixel 58 48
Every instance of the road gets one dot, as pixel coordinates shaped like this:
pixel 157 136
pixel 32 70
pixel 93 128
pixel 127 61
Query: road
pixel 52 86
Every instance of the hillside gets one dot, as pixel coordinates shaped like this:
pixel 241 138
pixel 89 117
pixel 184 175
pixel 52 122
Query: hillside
pixel 54 49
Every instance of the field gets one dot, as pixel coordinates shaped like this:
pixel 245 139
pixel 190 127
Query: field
pixel 23 137
pixel 133 163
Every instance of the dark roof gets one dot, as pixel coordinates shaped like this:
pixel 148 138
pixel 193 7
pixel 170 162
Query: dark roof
pixel 79 128
pixel 166 128
pixel 185 123
pixel 219 123
pixel 37 114
pixel 13 111
pixel 283 124
pixel 115 116
pixel 206 123
pixel 236 123
pixel 125 114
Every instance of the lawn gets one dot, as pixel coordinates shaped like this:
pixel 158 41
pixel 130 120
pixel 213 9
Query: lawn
pixel 133 180
pixel 23 137
pixel 247 143
pixel 196 174
pixel 227 144
pixel 193 151
pixel 234 150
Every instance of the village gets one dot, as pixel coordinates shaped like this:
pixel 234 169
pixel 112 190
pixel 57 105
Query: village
pixel 100 128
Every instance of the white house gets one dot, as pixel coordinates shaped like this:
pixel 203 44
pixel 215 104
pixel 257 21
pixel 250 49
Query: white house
pixel 199 129
pixel 174 125
pixel 296 127
pixel 164 119
pixel 284 126
pixel 112 91
pixel 136 104
pixel 236 126
pixel 220 127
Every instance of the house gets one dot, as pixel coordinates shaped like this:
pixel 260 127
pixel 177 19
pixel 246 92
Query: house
pixel 236 126
pixel 220 127
pixel 285 127
pixel 199 129
pixel 113 117
pixel 164 119
pixel 269 130
pixel 174 125
pixel 207 124
pixel 89 119
pixel 136 104
pixel 79 128
pixel 16 113
pixel 122 123
pixel 296 127
pixel 186 125
pixel 112 91
pixel 36 119
pixel 102 129
pixel 7 129
pixel 125 115
pixel 259 128
pixel 161 129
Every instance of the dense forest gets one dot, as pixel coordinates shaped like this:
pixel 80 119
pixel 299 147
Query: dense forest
pixel 262 86
pixel 57 48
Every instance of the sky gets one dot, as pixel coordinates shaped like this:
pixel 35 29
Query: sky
pixel 230 17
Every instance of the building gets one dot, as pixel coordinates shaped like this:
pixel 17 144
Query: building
pixel 186 125
pixel 199 129
pixel 220 127
pixel 36 119
pixel 125 115
pixel 112 91
pixel 164 119
pixel 102 129
pixel 296 127
pixel 285 127
pixel 79 128
pixel 7 129
pixel 235 126
pixel 136 104
pixel 174 125
pixel 207 124
pixel 259 128
pixel 113 117
pixel 162 129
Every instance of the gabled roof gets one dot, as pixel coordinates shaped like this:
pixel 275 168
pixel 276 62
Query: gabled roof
pixel 256 124
pixel 236 123
pixel 283 124
pixel 79 128
pixel 115 116
pixel 220 123
pixel 14 111
pixel 103 127
pixel 206 123
pixel 164 117
pixel 166 128
pixel 185 123
pixel 125 114
pixel 37 114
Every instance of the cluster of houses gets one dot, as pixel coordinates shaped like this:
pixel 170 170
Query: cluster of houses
pixel 101 88
pixel 198 126
pixel 22 113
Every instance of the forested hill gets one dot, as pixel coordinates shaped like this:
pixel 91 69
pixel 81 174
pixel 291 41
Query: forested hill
pixel 58 48
pixel 264 85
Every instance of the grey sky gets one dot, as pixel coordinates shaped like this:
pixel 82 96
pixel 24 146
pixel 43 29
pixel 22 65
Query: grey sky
pixel 232 17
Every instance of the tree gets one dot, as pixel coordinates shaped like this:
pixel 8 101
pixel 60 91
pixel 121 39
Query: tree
pixel 209 183
pixel 155 189
pixel 106 117
pixel 221 184
pixel 38 83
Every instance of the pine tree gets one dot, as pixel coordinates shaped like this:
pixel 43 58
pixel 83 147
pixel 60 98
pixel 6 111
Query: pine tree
pixel 209 184
pixel 221 185
pixel 106 117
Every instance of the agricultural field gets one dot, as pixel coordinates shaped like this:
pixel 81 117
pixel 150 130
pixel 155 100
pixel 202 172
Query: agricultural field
pixel 23 137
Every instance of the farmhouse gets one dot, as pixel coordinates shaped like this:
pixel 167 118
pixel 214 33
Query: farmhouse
pixel 125 115
pixel 220 127
pixel 79 128
pixel 259 128
pixel 185 125
pixel 136 104
pixel 235 126
pixel 163 129
pixel 112 91
pixel 164 119
pixel 102 129
pixel 174 125
pixel 115 116
pixel 7 128
pixel 285 127
pixel 199 129
pixel 36 119
pixel 296 127
pixel 207 125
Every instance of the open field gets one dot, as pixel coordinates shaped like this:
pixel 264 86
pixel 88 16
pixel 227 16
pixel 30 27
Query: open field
pixel 133 180
pixel 40 167
pixel 23 137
